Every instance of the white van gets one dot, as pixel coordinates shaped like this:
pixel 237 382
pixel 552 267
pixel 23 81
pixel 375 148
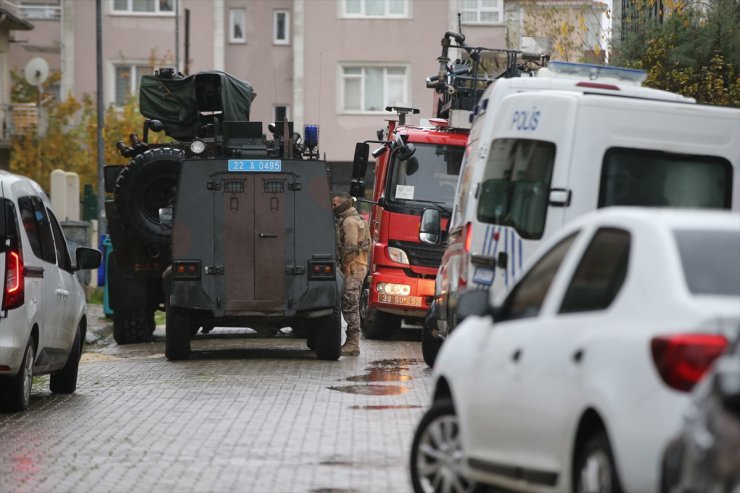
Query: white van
pixel 536 159
pixel 43 311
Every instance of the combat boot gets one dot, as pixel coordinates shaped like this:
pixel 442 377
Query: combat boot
pixel 351 346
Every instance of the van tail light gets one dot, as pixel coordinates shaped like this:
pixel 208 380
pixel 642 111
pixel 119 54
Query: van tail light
pixel 15 287
pixel 598 85
pixel 683 359
pixel 468 235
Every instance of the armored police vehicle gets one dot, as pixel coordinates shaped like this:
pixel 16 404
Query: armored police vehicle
pixel 249 219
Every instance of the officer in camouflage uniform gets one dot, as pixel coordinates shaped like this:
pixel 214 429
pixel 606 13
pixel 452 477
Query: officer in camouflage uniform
pixel 353 245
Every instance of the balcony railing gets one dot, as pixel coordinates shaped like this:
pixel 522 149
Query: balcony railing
pixel 50 12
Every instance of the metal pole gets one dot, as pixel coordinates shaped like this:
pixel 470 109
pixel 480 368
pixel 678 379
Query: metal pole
pixel 187 41
pixel 101 149
pixel 177 35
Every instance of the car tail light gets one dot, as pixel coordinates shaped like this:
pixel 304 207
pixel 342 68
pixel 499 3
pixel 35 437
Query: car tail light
pixel 321 270
pixel 15 287
pixel 468 232
pixel 683 359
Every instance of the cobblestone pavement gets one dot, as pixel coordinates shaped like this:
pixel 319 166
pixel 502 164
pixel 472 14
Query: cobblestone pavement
pixel 245 414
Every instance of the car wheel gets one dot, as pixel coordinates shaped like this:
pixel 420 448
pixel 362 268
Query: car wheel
pixel 133 326
pixel 18 389
pixel 430 344
pixel 436 453
pixel 376 325
pixel 327 335
pixel 595 471
pixel 178 330
pixel 64 381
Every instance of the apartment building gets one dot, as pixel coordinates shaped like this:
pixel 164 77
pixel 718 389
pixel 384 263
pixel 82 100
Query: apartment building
pixel 335 63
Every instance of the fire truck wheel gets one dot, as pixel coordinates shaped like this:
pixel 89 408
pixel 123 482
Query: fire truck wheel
pixel 133 326
pixel 327 335
pixel 147 184
pixel 430 344
pixel 178 330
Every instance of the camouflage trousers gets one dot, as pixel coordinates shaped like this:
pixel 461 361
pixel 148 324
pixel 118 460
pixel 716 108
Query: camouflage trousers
pixel 351 300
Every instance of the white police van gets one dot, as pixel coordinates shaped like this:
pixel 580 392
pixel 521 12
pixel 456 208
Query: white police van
pixel 575 138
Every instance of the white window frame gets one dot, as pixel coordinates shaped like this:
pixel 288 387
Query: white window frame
pixel 385 15
pixel 232 23
pixel 130 10
pixel 386 78
pixel 480 9
pixel 134 68
pixel 275 15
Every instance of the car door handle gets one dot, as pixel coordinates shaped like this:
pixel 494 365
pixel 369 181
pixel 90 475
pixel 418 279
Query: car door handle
pixel 266 235
pixel 516 355
pixel 578 356
pixel 63 292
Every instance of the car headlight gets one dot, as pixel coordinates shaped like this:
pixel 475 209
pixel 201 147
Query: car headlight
pixel 398 255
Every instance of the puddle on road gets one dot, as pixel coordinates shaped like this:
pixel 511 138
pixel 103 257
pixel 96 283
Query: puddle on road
pixel 382 408
pixel 372 389
pixel 399 364
pixel 383 375
pixel 335 463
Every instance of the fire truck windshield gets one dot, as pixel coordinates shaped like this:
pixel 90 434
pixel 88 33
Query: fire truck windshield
pixel 430 175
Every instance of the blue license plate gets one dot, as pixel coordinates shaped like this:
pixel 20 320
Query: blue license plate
pixel 256 165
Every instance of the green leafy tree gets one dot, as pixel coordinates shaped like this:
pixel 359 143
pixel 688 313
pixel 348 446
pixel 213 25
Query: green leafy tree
pixel 694 51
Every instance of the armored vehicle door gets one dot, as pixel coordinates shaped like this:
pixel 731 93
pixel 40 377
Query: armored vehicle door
pixel 253 240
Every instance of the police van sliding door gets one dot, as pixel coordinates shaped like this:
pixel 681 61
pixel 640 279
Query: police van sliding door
pixel 256 241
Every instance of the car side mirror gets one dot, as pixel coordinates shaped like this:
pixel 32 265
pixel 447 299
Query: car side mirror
pixel 727 381
pixel 430 229
pixel 165 217
pixel 473 302
pixel 87 258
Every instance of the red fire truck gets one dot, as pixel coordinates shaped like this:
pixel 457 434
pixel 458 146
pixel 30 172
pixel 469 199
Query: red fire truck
pixel 417 168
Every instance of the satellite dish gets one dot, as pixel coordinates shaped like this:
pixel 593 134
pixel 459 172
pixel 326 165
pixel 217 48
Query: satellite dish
pixel 36 71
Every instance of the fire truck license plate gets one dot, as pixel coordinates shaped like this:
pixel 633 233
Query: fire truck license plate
pixel 399 300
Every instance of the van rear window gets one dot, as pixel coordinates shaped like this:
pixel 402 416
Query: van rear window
pixel 652 178
pixel 516 186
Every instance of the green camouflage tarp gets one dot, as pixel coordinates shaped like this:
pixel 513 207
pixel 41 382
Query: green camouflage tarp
pixel 179 101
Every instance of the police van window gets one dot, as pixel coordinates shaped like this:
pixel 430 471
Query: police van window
pixel 653 178
pixel 516 185
pixel 63 259
pixel 600 273
pixel 429 175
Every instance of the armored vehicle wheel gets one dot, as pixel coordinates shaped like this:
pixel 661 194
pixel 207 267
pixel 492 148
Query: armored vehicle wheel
pixel 375 324
pixel 133 326
pixel 178 331
pixel 147 184
pixel 327 335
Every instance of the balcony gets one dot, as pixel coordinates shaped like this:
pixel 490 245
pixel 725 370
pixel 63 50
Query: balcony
pixel 19 119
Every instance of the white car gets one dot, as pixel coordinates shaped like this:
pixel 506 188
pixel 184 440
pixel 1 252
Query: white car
pixel 43 315
pixel 582 379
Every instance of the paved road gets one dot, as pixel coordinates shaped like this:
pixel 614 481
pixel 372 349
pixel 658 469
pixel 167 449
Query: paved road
pixel 245 414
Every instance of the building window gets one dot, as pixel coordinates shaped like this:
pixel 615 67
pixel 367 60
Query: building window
pixel 237 25
pixel 144 6
pixel 281 27
pixel 281 113
pixel 371 89
pixel 127 79
pixel 482 11
pixel 375 8
pixel 40 10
